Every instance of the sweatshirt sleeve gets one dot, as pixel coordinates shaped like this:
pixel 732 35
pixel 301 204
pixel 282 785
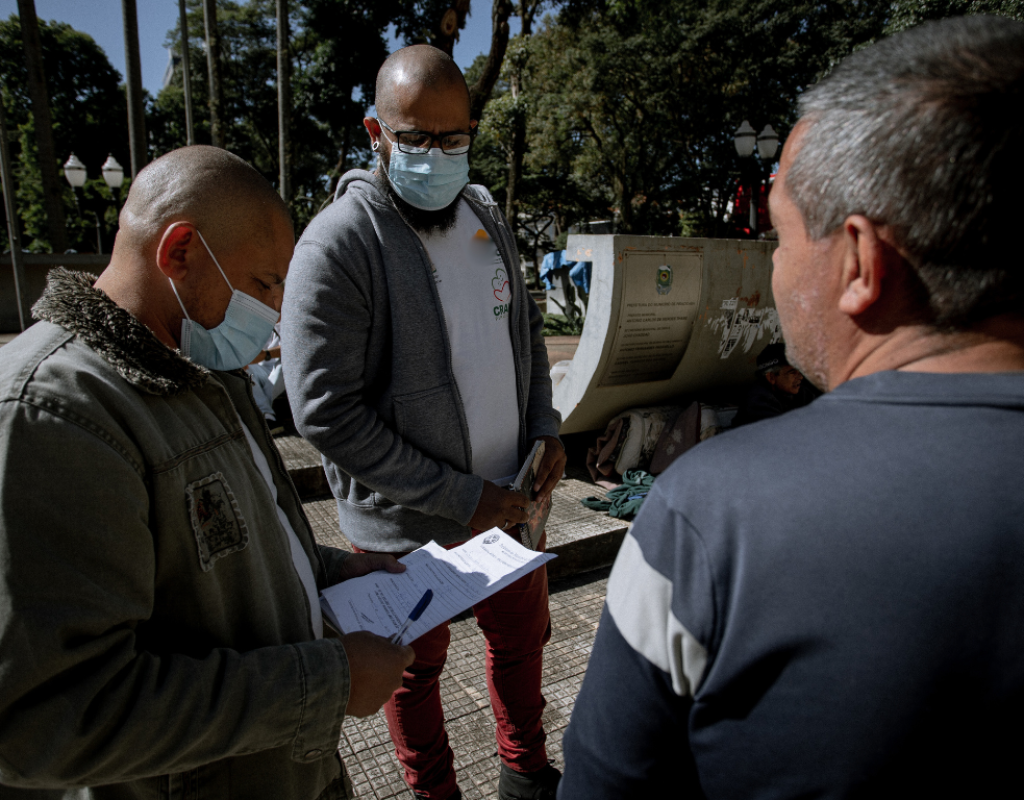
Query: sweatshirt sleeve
pixel 82 700
pixel 628 736
pixel 628 733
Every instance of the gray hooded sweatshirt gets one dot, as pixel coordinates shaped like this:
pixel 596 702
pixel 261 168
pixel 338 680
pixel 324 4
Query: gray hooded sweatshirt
pixel 368 367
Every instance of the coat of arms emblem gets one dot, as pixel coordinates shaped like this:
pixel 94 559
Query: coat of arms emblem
pixel 664 279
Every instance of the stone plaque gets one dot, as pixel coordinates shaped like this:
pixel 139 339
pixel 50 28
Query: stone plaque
pixel 660 295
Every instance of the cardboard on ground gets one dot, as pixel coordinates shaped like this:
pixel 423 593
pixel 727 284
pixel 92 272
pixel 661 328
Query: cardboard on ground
pixel 461 577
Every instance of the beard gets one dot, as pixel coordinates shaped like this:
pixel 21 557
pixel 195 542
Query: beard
pixel 806 343
pixel 426 222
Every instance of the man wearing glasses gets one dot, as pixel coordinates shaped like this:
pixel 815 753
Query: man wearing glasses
pixel 415 363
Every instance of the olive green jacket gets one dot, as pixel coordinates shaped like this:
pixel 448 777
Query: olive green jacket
pixel 155 639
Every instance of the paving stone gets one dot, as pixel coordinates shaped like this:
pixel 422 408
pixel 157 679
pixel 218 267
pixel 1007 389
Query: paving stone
pixel 322 513
pixel 576 605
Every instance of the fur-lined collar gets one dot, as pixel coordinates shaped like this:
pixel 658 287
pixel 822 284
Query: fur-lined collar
pixel 131 348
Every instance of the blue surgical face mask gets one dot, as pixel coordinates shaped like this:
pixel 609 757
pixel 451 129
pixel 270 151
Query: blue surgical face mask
pixel 429 181
pixel 234 343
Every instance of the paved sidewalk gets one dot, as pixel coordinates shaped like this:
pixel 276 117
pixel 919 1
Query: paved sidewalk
pixel 576 605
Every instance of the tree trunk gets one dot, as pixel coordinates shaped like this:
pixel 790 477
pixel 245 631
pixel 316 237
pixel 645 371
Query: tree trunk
pixel 284 100
pixel 480 92
pixel 13 231
pixel 515 166
pixel 452 21
pixel 186 75
pixel 133 80
pixel 625 197
pixel 527 9
pixel 213 68
pixel 53 202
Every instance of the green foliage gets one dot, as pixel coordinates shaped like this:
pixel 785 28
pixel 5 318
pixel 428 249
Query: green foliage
pixel 629 106
pixel 87 103
pixel 560 325
pixel 907 13
pixel 638 101
pixel 632 104
pixel 337 47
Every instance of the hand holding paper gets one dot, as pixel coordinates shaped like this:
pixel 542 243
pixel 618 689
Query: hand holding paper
pixel 375 668
pixel 459 578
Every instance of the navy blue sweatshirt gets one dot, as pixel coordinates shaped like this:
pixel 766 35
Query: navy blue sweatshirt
pixel 825 604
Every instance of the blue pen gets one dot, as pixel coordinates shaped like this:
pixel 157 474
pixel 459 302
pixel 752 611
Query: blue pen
pixel 421 606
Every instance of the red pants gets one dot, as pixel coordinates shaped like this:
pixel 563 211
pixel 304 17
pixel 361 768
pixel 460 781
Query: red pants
pixel 516 626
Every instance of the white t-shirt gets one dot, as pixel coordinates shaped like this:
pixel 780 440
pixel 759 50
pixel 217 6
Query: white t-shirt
pixel 299 557
pixel 475 292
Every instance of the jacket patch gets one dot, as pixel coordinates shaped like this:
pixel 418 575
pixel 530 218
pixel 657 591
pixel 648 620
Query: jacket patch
pixel 216 521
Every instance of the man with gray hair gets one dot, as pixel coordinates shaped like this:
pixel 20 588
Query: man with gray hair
pixel 829 603
pixel 160 633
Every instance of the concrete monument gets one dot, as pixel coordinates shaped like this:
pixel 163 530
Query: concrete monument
pixel 667 318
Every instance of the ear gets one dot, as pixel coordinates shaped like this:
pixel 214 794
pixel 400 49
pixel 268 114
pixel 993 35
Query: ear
pixel 772 378
pixel 864 265
pixel 174 252
pixel 372 128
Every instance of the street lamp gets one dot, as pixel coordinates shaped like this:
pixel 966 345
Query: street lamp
pixel 74 171
pixel 113 174
pixel 767 143
pixel 745 139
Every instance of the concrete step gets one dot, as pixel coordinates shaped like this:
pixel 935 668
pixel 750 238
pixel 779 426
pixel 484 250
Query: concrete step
pixel 304 465
pixel 582 539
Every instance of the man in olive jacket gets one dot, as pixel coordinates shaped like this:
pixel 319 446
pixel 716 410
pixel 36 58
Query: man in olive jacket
pixel 160 634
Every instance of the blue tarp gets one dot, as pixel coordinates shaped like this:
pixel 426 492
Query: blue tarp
pixel 579 271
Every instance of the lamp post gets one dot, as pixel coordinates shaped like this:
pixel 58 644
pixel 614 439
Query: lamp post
pixel 74 171
pixel 767 144
pixel 113 174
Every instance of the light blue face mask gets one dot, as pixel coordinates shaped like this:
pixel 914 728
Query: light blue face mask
pixel 234 343
pixel 429 181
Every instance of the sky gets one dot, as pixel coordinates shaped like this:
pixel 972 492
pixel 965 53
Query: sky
pixel 101 19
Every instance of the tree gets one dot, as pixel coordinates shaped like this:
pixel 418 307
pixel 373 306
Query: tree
pixel 36 74
pixel 908 13
pixel 336 48
pixel 87 103
pixel 487 72
pixel 641 98
pixel 637 100
pixel 215 95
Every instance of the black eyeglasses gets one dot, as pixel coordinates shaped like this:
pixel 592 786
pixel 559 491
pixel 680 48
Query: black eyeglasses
pixel 453 143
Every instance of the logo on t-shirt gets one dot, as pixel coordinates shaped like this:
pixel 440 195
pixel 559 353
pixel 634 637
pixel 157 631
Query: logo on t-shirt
pixel 502 293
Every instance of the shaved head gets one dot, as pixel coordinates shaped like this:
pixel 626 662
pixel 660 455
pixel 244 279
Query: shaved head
pixel 218 192
pixel 411 69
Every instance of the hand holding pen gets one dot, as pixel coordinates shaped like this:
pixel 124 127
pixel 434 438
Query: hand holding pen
pixel 413 616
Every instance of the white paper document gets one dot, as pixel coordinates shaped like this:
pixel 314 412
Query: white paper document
pixel 381 601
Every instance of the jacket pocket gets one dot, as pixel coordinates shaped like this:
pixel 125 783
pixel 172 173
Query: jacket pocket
pixel 429 421
pixel 217 522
